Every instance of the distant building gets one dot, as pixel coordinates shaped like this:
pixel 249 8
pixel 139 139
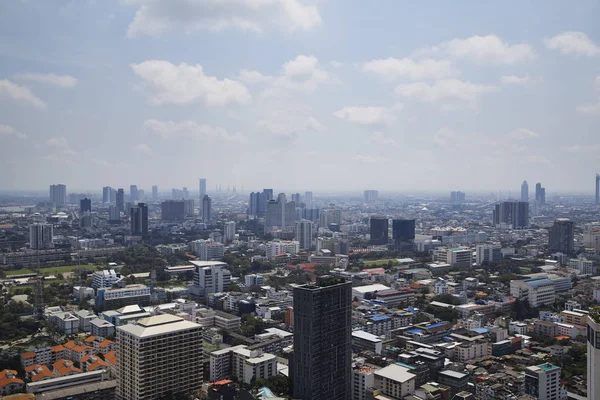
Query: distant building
pixel 371 195
pixel 280 213
pixel 511 214
pixel 208 250
pixel 308 199
pixel 206 209
pixel 210 277
pixel 537 291
pixel 561 238
pixel 379 230
pixel 254 280
pixel 487 253
pixel 114 215
pixel 41 236
pixel 120 200
pixel 85 205
pixel 58 195
pixel 173 210
pixel 202 188
pixel 133 193
pixel 105 279
pixel 107 194
pixel 154 192
pixel 525 192
pixel 304 234
pixel 139 219
pixel 276 248
pixel 457 197
pixel 113 298
pixel 229 231
pixel 540 194
pixel 403 231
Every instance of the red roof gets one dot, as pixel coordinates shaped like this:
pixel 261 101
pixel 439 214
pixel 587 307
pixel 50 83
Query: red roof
pixel 222 382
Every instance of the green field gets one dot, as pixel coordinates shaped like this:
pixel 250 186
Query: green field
pixel 51 270
pixel 381 263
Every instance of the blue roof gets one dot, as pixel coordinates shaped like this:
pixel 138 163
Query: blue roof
pixel 536 283
pixel 266 393
pixel 415 331
pixel 378 317
pixel 405 365
pixel 480 330
pixel 432 326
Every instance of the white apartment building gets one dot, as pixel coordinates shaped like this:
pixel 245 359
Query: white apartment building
pixel 210 277
pixel 543 382
pixel 516 327
pixel 304 234
pixel 208 249
pixel 471 350
pixel 537 291
pixel 487 253
pixel 254 279
pixel 582 266
pixel 104 279
pixel 249 364
pixel 41 236
pixel 229 231
pixel 66 323
pixel 101 327
pixel 362 379
pixel 157 355
pixel 394 381
pixel 276 248
pixel 85 317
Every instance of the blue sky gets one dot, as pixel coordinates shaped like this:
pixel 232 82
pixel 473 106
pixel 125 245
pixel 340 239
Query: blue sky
pixel 300 94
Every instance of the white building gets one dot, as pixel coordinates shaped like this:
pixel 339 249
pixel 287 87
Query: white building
pixel 537 291
pixel 254 280
pixel 104 279
pixel 276 248
pixel 394 381
pixel 471 350
pixel 208 249
pixel 229 231
pixel 304 234
pixel 456 257
pixel 85 317
pixel 516 327
pixel 41 236
pixel 159 354
pixel 249 365
pixel 210 277
pixel 101 327
pixel 583 266
pixel 65 322
pixel 362 379
pixel 487 253
pixel 593 354
pixel 543 382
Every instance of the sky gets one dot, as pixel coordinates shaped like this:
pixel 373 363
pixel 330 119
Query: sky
pixel 318 95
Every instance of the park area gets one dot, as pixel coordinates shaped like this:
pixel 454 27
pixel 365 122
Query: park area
pixel 50 270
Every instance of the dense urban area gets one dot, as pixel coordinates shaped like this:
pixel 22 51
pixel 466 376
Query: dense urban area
pixel 223 294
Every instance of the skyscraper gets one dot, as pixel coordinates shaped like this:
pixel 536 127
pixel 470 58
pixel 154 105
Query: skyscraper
pixel 158 355
pixel 322 360
pixel 173 210
pixel 540 194
pixel 457 197
pixel 106 194
pixel 133 193
pixel 58 195
pixel 403 231
pixel 114 215
pixel 296 198
pixel 561 237
pixel 593 353
pixel 41 236
pixel 511 214
pixel 371 195
pixel 281 213
pixel 308 201
pixel 524 191
pixel 185 193
pixel 85 205
pixel 597 188
pixel 379 227
pixel 229 231
pixel 120 201
pixel 304 234
pixel 206 209
pixel 139 219
pixel 254 203
pixel 202 188
pixel 154 192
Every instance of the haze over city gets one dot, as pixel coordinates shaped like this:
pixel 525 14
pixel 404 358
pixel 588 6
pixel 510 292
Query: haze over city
pixel 311 95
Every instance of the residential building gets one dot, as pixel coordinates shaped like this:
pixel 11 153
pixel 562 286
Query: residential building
pixel 166 352
pixel 394 381
pixel 139 219
pixel 471 350
pixel 207 209
pixel 58 195
pixel 85 317
pixel 593 354
pixel 101 327
pixel 511 214
pixel 249 365
pixel 487 253
pixel 9 383
pixel 229 231
pixel 458 381
pixel 379 230
pixel 322 360
pixel 280 213
pixel 304 234
pixel 208 250
pixel 105 279
pixel 275 248
pixel 543 382
pixel 172 210
pixel 525 192
pixel 254 280
pixel 583 266
pixel 362 380
pixel 561 237
pixel 41 236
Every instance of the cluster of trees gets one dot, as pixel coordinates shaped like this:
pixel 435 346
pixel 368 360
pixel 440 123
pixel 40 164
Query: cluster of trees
pixel 14 327
pixel 279 384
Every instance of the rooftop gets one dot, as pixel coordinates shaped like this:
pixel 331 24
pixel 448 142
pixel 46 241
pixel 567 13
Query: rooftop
pixel 395 373
pixel 157 325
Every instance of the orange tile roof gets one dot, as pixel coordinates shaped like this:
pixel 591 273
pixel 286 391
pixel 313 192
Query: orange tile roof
pixel 65 367
pixel 105 343
pixel 99 363
pixel 27 355
pixel 5 372
pixel 7 381
pixel 111 357
pixel 71 345
pixel 43 372
pixel 90 339
pixel 58 348
pixel 31 368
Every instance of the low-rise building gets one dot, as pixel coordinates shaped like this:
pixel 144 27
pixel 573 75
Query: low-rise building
pixel 9 383
pixel 102 328
pixel 394 381
pixel 362 340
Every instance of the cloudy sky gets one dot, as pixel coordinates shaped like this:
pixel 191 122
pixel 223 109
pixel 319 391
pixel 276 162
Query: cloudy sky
pixel 300 94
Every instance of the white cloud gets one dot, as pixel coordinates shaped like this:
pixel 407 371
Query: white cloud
pixel 537 159
pixel 444 136
pixel 447 89
pixel 253 77
pixel 520 80
pixel 597 82
pixel 382 139
pixel 577 148
pixel 143 148
pixel 20 93
pixel 336 64
pixel 185 84
pixel 290 125
pixel 7 130
pixel 523 133
pixel 188 129
pixel 592 109
pixel 302 73
pixel 573 43
pixel 394 68
pixel 366 159
pixel 367 115
pixel 61 144
pixel 65 81
pixel 156 16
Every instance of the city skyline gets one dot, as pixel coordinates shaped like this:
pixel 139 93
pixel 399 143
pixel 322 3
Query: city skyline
pixel 491 95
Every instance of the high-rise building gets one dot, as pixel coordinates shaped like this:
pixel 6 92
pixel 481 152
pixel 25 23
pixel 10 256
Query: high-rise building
pixel 308 199
pixel 322 359
pixel 593 353
pixel 296 198
pixel 511 214
pixel 254 204
pixel 597 188
pixel 457 197
pixel 185 193
pixel 379 229
pixel 210 277
pixel 403 231
pixel 159 355
pixel 120 200
pixel 139 219
pixel 543 382
pixel 188 207
pixel 267 195
pixel 540 194
pixel 114 215
pixel 41 236
pixel 561 237
pixel 206 209
pixel 371 195
pixel 487 253
pixel 304 234
pixel 281 213
pixel 107 194
pixel 85 205
pixel 58 195
pixel 229 231
pixel 154 192
pixel 202 188
pixel 133 193
pixel 173 210
pixel 525 191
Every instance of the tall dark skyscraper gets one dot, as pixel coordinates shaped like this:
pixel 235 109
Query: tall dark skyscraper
pixel 597 188
pixel 85 205
pixel 173 210
pixel 120 201
pixel 511 213
pixel 139 219
pixel 524 191
pixel 322 361
pixel 561 237
pixel 206 209
pixel 379 227
pixel 403 231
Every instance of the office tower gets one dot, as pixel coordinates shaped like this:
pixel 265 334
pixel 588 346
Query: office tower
pixel 176 194
pixel 593 353
pixel 154 192
pixel 457 197
pixel 308 201
pixel 133 193
pixel 597 188
pixel 58 195
pixel 188 206
pixel 114 215
pixel 185 193
pixel 202 188
pixel 173 210
pixel 304 234
pixel 322 358
pixel 211 278
pixel 85 205
pixel 107 194
pixel 371 195
pixel 561 237
pixel 543 382
pixel 254 204
pixel 206 209
pixel 403 231
pixel 140 194
pixel 296 198
pixel 511 214
pixel 379 227
pixel 120 201
pixel 525 191
pixel 159 356
pixel 75 198
pixel 41 236
pixel 229 231
pixel 280 213
pixel 139 219
pixel 540 194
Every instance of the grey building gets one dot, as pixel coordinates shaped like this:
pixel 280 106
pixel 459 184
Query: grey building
pixel 378 228
pixel 561 237
pixel 513 213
